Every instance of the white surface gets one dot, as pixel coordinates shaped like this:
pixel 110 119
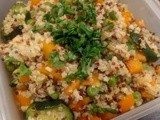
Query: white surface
pixel 140 8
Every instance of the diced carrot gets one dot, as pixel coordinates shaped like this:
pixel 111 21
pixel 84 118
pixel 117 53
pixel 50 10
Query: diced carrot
pixel 134 66
pixel 22 100
pixel 94 81
pixel 93 117
pixel 24 79
pixel 71 87
pixel 126 103
pixel 48 48
pixel 55 72
pixel 140 23
pixel 99 2
pixel 107 116
pixel 140 56
pixel 79 106
pixel 22 87
pixel 35 2
pixel 128 17
pixel 153 82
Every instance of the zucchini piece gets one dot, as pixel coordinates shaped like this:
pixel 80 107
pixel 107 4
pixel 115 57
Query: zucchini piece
pixel 49 110
pixel 150 55
pixel 18 6
pixel 14 33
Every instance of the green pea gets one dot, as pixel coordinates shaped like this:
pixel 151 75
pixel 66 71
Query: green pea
pixel 137 95
pixel 92 91
pixel 10 67
pixel 112 81
pixel 54 95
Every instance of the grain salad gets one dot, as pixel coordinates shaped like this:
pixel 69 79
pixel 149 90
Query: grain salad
pixel 79 60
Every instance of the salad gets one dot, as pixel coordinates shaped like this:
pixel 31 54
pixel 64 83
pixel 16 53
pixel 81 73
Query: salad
pixel 79 59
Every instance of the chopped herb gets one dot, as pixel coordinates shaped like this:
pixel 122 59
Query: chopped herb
pixel 76 35
pixel 22 70
pixel 150 54
pixel 54 59
pixel 13 83
pixel 112 16
pixel 131 45
pixel 109 25
pixel 109 57
pixel 69 56
pixel 135 37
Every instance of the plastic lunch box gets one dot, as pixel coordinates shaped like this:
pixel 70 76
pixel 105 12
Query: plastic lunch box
pixel 149 10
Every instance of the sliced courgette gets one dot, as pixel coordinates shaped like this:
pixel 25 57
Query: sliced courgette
pixel 150 54
pixel 17 31
pixel 49 110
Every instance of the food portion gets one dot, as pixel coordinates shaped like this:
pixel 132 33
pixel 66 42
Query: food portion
pixel 79 60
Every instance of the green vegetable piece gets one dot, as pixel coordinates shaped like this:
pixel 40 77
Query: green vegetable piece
pixel 96 110
pixel 93 91
pixel 56 108
pixel 54 95
pixel 54 59
pixel 112 81
pixel 16 31
pixel 109 25
pixel 9 61
pixel 135 37
pixel 137 96
pixel 131 45
pixel 69 56
pixel 10 67
pixel 112 16
pixel 22 70
pixel 68 10
pixel 150 54
pixel 13 83
pixel 128 81
pixel 109 57
pixel 18 6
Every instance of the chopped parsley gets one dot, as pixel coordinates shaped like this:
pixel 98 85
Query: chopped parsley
pixel 22 70
pixel 75 34
pixel 54 60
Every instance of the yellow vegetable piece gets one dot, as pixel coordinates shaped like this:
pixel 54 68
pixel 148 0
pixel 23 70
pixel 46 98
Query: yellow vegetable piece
pixel 22 100
pixel 71 87
pixel 99 2
pixel 24 79
pixel 107 116
pixel 126 103
pixel 55 72
pixel 153 82
pixel 134 66
pixel 80 104
pixel 140 56
pixel 48 48
pixel 140 23
pixel 128 17
pixel 94 81
pixel 35 2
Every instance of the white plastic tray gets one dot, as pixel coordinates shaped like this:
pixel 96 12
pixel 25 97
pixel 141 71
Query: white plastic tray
pixel 145 9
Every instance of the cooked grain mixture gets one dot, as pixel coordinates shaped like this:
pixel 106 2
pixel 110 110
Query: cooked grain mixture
pixel 79 60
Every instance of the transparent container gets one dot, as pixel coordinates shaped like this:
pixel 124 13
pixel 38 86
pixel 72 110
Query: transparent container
pixel 148 10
